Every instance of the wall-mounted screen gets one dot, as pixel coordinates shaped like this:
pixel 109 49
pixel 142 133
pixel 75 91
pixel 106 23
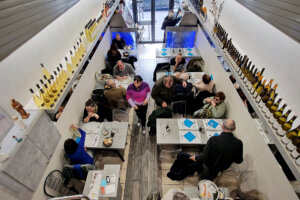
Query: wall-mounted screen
pixel 180 38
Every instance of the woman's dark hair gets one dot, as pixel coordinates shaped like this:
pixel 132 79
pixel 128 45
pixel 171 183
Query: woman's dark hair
pixel 113 48
pixel 138 78
pixel 90 102
pixel 206 79
pixel 232 79
pixel 242 95
pixel 221 95
pixel 70 146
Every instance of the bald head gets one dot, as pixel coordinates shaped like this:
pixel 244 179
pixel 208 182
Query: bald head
pixel 228 125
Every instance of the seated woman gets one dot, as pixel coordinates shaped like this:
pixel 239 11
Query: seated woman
pixel 76 152
pixel 119 41
pixel 113 54
pixel 206 84
pixel 138 95
pixel 214 107
pixel 95 112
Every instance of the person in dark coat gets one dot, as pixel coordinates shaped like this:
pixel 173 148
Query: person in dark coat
pixel 219 153
pixel 164 89
pixel 119 41
pixel 113 54
pixel 96 112
pixel 170 21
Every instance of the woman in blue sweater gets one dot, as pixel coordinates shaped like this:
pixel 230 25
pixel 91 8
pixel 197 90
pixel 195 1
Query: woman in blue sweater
pixel 76 152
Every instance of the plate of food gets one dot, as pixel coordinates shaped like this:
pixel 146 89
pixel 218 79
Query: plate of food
pixel 108 141
pixel 125 54
pixel 208 190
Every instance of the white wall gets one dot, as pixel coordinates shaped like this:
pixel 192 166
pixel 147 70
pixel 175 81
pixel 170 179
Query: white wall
pixel 74 109
pixel 260 169
pixel 266 46
pixel 21 70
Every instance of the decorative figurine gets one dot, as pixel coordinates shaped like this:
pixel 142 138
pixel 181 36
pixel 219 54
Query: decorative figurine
pixel 19 122
pixel 18 107
pixel 17 139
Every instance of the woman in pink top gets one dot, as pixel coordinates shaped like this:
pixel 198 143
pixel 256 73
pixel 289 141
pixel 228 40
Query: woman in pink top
pixel 138 95
pixel 206 84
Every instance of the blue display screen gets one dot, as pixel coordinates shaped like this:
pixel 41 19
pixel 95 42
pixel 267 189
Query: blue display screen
pixel 129 38
pixel 182 39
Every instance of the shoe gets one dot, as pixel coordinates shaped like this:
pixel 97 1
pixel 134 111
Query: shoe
pixel 139 123
pixel 144 130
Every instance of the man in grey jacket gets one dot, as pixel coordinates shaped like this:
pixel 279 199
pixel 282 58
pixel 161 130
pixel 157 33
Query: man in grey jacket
pixel 122 70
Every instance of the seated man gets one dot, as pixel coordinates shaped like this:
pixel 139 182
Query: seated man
pixel 178 63
pixel 122 70
pixel 119 41
pixel 76 152
pixel 164 89
pixel 219 153
pixel 206 84
pixel 214 107
pixel 116 97
pixel 95 112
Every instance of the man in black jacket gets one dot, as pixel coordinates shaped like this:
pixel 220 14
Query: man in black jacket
pixel 220 152
pixel 170 21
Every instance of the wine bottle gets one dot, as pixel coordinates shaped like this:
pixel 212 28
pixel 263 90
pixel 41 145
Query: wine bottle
pixel 53 88
pixel 82 47
pixel 60 82
pixel 56 84
pixel 288 125
pixel 262 94
pixel 259 88
pixel 274 107
pixel 243 66
pixel 279 112
pixel 216 28
pixel 292 133
pixel 48 102
pixel 246 70
pixel 282 119
pixel 253 74
pixel 273 91
pixel 248 74
pixel 70 69
pixel 47 95
pixel 77 55
pixel 45 71
pixel 270 101
pixel 64 73
pixel 61 76
pixel 258 82
pixel 37 100
pixel 50 92
pixel 73 60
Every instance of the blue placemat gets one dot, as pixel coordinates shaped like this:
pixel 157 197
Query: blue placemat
pixel 164 54
pixel 189 136
pixel 190 54
pixel 211 77
pixel 164 49
pixel 188 123
pixel 189 49
pixel 212 123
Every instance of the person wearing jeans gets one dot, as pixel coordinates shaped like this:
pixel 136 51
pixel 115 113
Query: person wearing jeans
pixel 138 95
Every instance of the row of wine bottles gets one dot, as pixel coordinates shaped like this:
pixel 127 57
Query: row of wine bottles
pixel 264 93
pixel 52 85
pixel 93 26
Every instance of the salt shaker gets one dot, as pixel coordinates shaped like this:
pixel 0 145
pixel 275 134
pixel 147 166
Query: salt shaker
pixel 19 122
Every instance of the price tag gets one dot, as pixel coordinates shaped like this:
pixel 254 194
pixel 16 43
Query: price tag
pixel 258 98
pixel 295 154
pixel 285 140
pixel 280 132
pixel 290 146
pixel 298 162
pixel 252 90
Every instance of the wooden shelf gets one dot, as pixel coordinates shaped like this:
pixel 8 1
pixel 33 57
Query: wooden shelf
pixel 286 154
pixel 89 48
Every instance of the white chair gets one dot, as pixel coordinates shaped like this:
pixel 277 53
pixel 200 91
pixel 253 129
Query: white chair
pixel 120 115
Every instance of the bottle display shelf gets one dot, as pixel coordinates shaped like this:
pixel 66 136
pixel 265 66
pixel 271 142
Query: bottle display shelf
pixel 270 124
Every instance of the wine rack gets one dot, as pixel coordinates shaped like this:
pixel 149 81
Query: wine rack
pixel 277 135
pixel 90 44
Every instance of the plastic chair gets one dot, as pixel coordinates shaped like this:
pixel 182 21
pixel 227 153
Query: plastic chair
pixel 54 185
pixel 120 115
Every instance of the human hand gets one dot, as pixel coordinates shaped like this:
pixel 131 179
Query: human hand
pixel 193 158
pixel 145 102
pixel 136 107
pixel 184 84
pixel 164 104
pixel 74 127
pixel 91 114
pixel 96 116
pixel 118 77
pixel 213 103
pixel 208 100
